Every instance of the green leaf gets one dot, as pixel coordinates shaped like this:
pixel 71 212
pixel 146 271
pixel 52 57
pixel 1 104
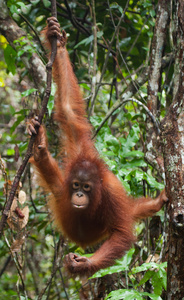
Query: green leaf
pixel 12 110
pixel 124 182
pixel 134 163
pixel 26 9
pixel 21 4
pixel 99 34
pixel 42 225
pixel 50 104
pixel 34 2
pixel 10 152
pixel 147 4
pixel 111 163
pixel 151 296
pixel 85 86
pixel 146 277
pixel 152 182
pixel 42 217
pixel 144 267
pixel 95 121
pixel 23 146
pixel 20 53
pixel 19 120
pixel 85 41
pixel 21 112
pixel 46 3
pixel 134 153
pixel 164 276
pixel 111 141
pixel 124 294
pixel 125 42
pixel 116 6
pixel 28 92
pixel 10 56
pixel 157 283
pixel 151 22
pixel 132 138
pixel 152 13
pixel 147 266
pixel 159 280
pixel 13 9
pixel 138 174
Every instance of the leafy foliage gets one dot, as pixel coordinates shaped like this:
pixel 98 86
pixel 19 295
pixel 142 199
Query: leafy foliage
pixel 131 295
pixel 120 265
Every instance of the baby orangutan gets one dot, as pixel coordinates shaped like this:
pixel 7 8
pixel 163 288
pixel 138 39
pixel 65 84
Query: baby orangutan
pixel 89 203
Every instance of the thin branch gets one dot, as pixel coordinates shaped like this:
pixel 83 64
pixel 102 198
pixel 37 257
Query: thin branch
pixel 18 268
pixel 4 173
pixel 34 30
pixel 120 103
pixel 57 253
pixel 126 65
pixel 110 10
pixel 74 21
pixel 31 142
pixel 49 281
pixel 55 268
pixel 5 265
pixel 93 83
pixel 131 90
pixel 108 53
pixel 29 260
pixel 136 39
pixel 30 195
pixel 77 36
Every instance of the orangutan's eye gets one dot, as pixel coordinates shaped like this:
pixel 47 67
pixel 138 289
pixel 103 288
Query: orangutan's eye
pixel 86 187
pixel 75 185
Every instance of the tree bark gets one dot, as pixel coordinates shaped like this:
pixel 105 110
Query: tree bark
pixel 154 83
pixel 173 149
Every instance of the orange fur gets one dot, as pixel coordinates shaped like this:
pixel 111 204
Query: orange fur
pixel 111 212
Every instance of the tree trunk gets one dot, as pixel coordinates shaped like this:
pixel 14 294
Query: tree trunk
pixel 172 136
pixel 13 32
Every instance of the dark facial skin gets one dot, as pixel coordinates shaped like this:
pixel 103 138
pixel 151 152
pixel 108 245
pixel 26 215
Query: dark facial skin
pixel 80 194
pixel 81 187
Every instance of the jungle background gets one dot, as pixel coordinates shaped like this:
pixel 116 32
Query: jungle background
pixel 129 61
